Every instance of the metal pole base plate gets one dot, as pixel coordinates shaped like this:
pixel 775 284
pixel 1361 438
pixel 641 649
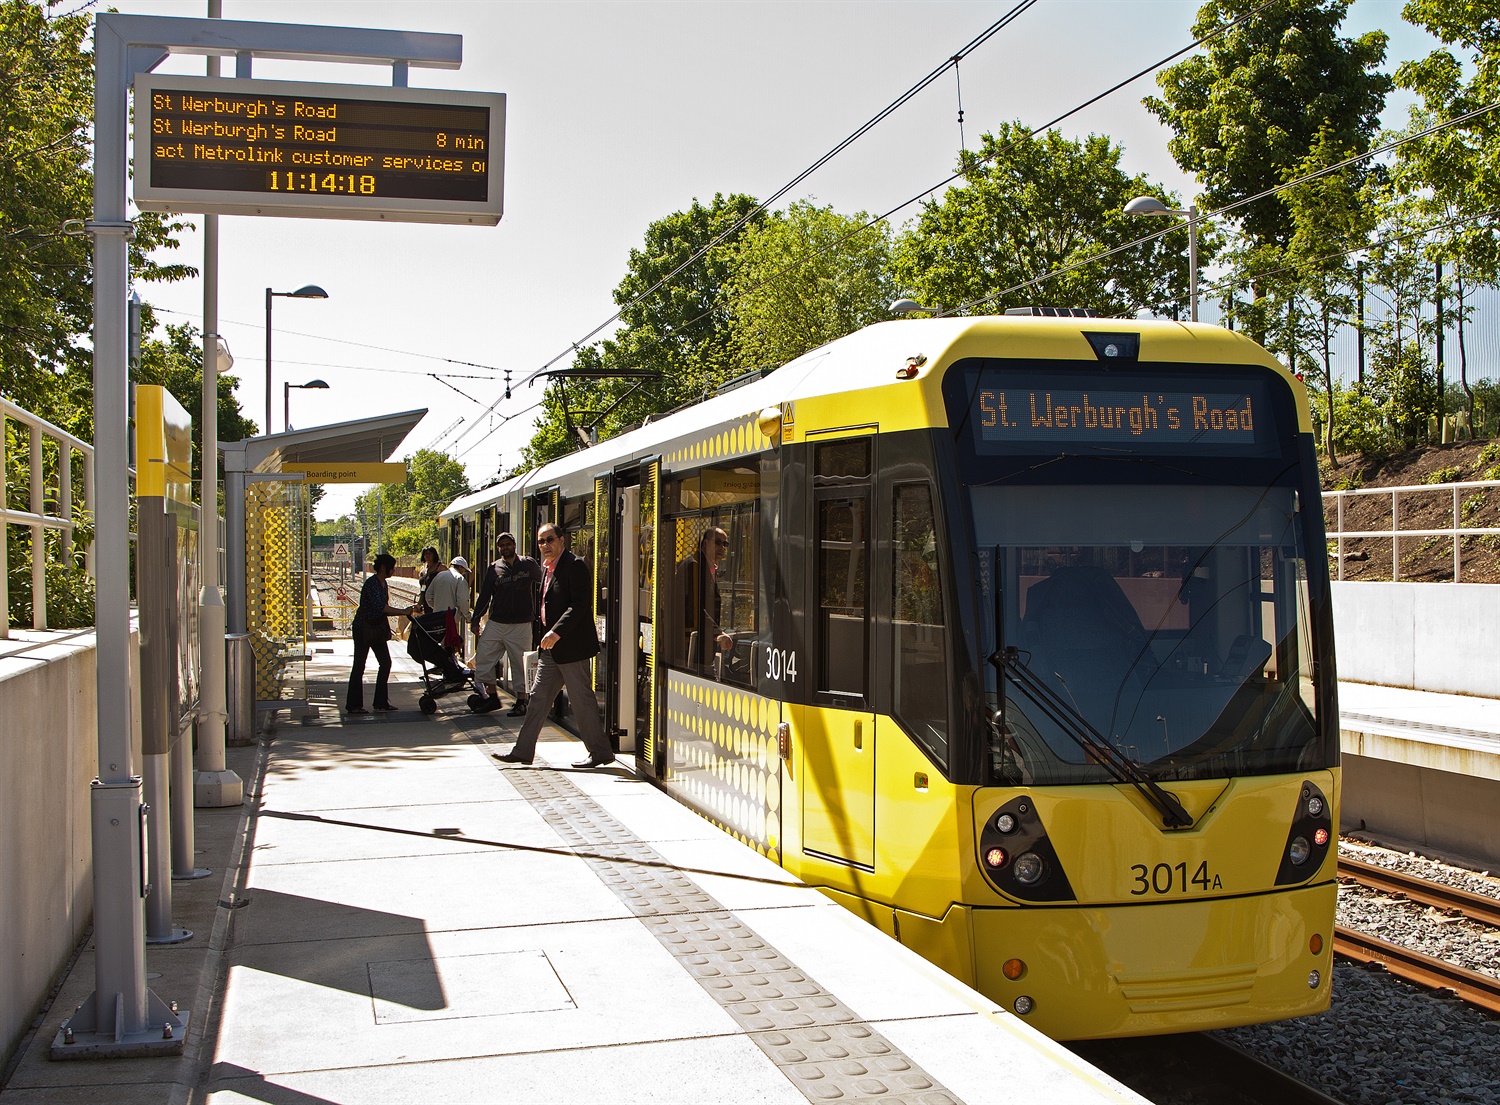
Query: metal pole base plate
pixel 80 1038
pixel 195 873
pixel 177 936
pixel 216 789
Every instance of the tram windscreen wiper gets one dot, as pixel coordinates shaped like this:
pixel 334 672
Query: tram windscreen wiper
pixel 1007 662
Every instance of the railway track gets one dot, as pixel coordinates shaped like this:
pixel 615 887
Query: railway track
pixel 1472 986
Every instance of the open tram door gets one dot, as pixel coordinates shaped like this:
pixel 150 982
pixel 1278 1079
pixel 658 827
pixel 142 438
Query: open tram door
pixel 630 693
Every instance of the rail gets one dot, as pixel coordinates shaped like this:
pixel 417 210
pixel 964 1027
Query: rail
pixel 38 519
pixel 1455 532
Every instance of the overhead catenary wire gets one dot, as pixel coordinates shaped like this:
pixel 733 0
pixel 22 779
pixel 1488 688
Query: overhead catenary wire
pixel 927 192
pixel 764 205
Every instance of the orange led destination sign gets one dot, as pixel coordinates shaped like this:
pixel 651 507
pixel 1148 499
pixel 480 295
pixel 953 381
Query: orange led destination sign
pixel 1035 414
pixel 227 146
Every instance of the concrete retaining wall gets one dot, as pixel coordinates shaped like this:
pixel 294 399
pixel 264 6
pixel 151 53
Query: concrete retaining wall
pixel 48 757
pixel 1423 636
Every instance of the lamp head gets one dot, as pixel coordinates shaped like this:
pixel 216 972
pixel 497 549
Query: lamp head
pixel 1148 205
pixel 314 384
pixel 308 291
pixel 908 306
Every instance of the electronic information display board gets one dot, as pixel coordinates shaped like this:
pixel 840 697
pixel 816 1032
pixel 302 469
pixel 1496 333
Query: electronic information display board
pixel 217 145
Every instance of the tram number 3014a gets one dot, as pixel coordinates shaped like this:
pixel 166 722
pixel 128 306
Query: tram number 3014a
pixel 781 663
pixel 1164 878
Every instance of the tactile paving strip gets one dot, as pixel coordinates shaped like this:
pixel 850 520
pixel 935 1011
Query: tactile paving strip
pixel 817 1041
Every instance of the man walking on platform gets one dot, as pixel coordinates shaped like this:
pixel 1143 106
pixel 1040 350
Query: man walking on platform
pixel 371 631
pixel 508 596
pixel 569 641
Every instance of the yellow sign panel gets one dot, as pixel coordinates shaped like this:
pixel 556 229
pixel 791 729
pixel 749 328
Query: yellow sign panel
pixel 163 445
pixel 352 472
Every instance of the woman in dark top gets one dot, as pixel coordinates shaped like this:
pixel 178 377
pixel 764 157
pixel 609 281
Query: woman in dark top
pixel 371 632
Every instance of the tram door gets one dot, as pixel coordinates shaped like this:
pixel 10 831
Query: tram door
pixel 838 732
pixel 626 640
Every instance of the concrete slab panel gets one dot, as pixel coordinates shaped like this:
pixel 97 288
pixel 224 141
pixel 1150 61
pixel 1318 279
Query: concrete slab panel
pixel 463 987
pixel 871 973
pixel 391 831
pixel 1456 638
pixel 380 780
pixel 622 986
pixel 358 898
pixel 728 1070
pixel 1373 632
pixel 1001 1060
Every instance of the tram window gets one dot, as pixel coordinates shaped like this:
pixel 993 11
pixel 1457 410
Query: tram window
pixel 919 664
pixel 713 537
pixel 578 522
pixel 843 624
pixel 849 459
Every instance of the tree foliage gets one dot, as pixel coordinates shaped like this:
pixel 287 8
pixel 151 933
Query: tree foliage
pixel 1031 204
pixel 1251 107
pixel 46 111
pixel 804 277
pixel 409 512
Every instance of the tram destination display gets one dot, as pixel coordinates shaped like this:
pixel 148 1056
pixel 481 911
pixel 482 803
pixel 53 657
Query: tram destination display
pixel 1029 412
pixel 249 147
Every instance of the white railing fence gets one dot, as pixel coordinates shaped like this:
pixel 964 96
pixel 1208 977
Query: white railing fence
pixel 1458 492
pixel 44 513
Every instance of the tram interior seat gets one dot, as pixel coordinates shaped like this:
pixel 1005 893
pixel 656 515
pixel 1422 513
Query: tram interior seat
pixel 1079 625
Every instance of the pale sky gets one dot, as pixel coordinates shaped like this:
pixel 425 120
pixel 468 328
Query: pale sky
pixel 619 114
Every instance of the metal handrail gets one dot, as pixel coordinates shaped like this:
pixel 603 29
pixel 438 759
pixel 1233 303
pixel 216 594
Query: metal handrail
pixel 38 519
pixel 1395 533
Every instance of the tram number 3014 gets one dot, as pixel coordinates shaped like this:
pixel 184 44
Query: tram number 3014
pixel 1164 878
pixel 781 663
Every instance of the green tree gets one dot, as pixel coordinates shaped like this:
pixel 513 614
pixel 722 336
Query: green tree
pixel 680 330
pixel 1030 204
pixel 804 277
pixel 410 511
pixel 1252 106
pixel 1454 174
pixel 46 111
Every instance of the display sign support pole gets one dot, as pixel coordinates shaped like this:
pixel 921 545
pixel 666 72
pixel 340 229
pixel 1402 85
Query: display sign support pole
pixel 122 1017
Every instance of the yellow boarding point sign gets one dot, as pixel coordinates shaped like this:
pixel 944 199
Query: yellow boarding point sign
pixel 163 445
pixel 353 472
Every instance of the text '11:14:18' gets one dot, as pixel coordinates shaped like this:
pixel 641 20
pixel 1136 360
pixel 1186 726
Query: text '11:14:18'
pixel 347 184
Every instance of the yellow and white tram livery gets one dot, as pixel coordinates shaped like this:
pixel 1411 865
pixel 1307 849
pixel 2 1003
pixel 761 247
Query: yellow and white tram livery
pixel 1011 634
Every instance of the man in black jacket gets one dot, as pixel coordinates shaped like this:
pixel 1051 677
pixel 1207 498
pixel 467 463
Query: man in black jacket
pixel 508 596
pixel 569 641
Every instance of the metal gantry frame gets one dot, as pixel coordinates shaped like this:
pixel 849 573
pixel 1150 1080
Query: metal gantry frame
pixel 122 1016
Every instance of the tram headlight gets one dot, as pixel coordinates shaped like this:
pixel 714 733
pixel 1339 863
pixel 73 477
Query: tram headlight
pixel 1297 851
pixel 1023 1005
pixel 1315 805
pixel 1313 978
pixel 1028 868
pixel 1006 822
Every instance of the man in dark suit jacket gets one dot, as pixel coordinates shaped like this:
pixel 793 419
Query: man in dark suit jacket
pixel 569 642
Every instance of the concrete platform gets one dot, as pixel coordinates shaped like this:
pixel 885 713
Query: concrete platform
pixel 406 920
pixel 1422 771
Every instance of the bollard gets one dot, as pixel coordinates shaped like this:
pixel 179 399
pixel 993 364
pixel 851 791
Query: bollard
pixel 239 665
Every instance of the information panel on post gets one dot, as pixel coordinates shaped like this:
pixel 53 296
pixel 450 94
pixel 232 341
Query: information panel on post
pixel 225 146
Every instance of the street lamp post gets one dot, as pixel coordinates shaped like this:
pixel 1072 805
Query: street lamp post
pixel 286 400
pixel 1150 205
pixel 307 291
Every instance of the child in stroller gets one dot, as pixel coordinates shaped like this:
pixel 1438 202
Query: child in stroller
pixel 427 644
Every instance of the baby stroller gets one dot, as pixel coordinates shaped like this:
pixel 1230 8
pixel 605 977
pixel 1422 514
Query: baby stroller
pixel 426 644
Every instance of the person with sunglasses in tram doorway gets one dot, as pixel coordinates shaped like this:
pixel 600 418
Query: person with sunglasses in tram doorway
pixel 569 641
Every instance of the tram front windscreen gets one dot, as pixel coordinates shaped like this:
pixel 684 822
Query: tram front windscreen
pixel 1153 588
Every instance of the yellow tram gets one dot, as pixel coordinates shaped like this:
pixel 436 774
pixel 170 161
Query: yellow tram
pixel 1011 634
